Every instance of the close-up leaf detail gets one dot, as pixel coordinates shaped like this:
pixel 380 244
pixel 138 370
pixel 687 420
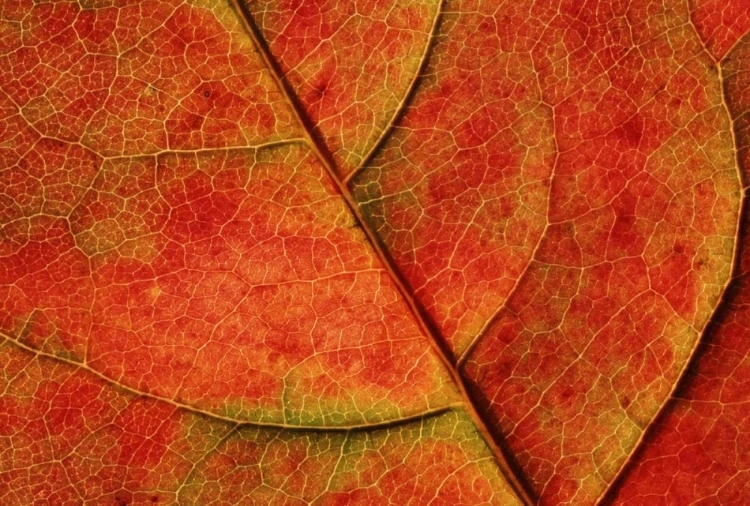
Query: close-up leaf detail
pixel 444 252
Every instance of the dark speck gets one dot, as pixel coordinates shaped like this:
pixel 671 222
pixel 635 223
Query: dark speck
pixel 206 93
pixel 321 88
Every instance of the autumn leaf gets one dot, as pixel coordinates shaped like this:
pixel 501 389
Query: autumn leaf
pixel 374 252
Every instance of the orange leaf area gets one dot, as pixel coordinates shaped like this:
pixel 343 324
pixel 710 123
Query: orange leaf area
pixel 635 256
pixel 139 78
pixel 350 64
pixel 73 438
pixel 700 449
pixel 373 252
pixel 720 24
pixel 233 281
pixel 460 189
pixel 436 461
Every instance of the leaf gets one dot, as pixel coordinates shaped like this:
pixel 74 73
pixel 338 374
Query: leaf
pixel 449 252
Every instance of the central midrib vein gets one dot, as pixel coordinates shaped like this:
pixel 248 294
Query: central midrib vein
pixel 323 155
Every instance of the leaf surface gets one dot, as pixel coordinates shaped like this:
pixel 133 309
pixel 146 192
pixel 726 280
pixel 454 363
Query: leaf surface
pixel 437 252
pixel 697 452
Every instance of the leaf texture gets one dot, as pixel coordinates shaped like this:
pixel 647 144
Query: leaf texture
pixel 697 453
pixel 433 252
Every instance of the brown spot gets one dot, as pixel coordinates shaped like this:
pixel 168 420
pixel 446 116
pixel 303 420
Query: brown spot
pixel 567 393
pixel 320 89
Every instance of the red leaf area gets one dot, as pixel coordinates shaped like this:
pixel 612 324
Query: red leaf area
pixel 374 252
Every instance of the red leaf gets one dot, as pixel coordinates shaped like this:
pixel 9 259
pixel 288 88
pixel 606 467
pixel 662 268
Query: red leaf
pixel 444 252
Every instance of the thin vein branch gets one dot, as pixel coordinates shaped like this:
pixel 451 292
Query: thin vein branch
pixel 227 419
pixel 209 451
pixel 406 99
pixel 691 7
pixel 466 353
pixel 227 149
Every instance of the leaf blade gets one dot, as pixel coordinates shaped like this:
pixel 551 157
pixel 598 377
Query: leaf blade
pixel 700 439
